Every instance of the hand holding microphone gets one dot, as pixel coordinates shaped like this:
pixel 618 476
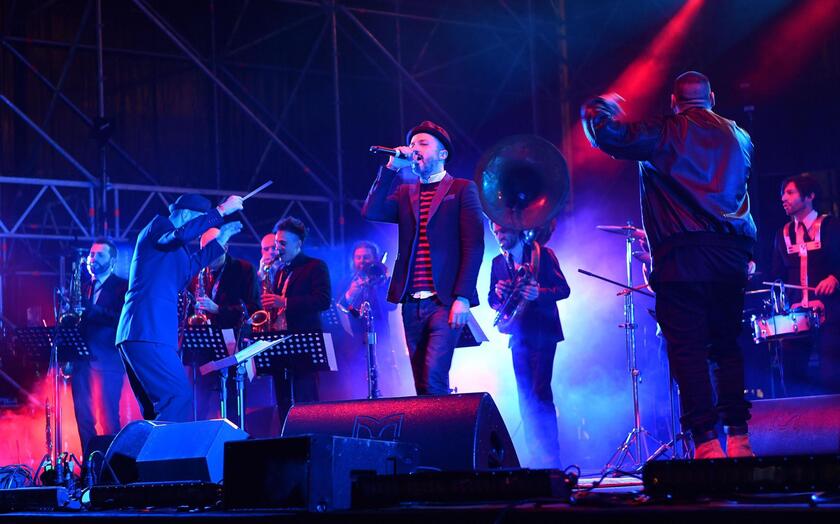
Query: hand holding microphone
pixel 401 156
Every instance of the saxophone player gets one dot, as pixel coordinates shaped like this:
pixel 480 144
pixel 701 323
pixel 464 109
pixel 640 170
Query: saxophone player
pixel 103 296
pixel 534 332
pixel 227 283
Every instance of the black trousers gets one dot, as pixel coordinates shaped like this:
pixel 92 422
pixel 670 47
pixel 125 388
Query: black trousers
pixel 96 398
pixel 431 344
pixel 701 322
pixel 533 362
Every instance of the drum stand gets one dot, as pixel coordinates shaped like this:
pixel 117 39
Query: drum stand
pixel 635 446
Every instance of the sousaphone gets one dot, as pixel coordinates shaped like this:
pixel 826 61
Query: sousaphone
pixel 523 183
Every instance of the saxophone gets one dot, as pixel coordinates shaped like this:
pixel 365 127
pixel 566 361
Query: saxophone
pixel 72 314
pixel 262 320
pixel 199 317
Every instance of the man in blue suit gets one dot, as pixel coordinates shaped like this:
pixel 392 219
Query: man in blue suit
pixel 441 244
pixel 162 266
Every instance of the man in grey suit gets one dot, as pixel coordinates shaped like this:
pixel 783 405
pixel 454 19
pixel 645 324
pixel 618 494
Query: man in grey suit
pixel 162 266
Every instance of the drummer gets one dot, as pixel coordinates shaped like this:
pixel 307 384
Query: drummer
pixel 806 253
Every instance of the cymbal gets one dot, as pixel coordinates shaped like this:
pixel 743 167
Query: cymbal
pixel 642 256
pixel 632 231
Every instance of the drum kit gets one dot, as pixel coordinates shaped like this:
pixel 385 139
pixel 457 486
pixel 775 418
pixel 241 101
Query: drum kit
pixel 777 321
pixel 773 323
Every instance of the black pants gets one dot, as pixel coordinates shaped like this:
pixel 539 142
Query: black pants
pixel 292 387
pixel 799 378
pixel 533 362
pixel 96 398
pixel 431 344
pixel 701 322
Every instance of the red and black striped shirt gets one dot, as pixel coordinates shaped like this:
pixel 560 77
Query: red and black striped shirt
pixel 421 272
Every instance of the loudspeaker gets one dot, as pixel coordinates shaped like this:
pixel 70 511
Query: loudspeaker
pixel 453 432
pixel 796 426
pixel 312 472
pixel 146 451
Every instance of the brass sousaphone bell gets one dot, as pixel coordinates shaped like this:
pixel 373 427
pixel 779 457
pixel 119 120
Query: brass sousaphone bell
pixel 523 183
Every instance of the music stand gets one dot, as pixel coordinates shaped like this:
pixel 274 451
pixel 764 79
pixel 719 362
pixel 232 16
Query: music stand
pixel 302 352
pixel 202 344
pixel 239 359
pixel 329 318
pixel 37 342
pixel 54 344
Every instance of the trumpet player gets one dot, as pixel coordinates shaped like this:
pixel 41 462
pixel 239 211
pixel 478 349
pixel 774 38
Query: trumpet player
pixel 525 284
pixel 368 283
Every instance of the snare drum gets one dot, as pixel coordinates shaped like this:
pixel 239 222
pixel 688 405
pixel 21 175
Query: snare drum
pixel 798 322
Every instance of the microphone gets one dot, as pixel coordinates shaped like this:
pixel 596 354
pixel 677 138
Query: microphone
pixel 388 151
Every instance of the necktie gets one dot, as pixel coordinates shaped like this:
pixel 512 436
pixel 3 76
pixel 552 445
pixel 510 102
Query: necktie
pixel 93 289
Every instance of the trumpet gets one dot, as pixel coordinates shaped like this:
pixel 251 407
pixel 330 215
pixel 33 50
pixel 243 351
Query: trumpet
pixel 199 317
pixel 262 320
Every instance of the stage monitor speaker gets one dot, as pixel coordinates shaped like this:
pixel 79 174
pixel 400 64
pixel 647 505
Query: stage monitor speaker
pixel 796 426
pixel 453 432
pixel 146 451
pixel 312 472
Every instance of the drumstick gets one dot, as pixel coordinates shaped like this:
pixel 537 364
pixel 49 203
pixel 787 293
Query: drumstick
pixel 792 286
pixel 257 190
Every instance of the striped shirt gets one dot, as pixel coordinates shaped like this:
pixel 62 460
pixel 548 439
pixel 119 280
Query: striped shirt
pixel 421 272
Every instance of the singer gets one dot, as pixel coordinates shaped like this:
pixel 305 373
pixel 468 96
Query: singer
pixel 441 244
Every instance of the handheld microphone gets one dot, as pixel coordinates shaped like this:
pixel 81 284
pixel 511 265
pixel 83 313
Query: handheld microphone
pixel 388 151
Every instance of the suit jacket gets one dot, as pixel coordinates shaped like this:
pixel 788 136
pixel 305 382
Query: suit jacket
pixel 455 231
pixel 162 266
pixel 99 323
pixel 307 294
pixel 540 317
pixel 238 283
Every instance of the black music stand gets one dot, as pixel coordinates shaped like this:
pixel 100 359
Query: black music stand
pixel 302 352
pixel 240 360
pixel 200 345
pixel 329 318
pixel 37 342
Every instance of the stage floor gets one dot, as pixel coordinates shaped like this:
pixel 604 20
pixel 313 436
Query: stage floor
pixel 618 500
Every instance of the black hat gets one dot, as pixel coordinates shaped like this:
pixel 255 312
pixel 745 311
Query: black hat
pixel 427 126
pixel 192 202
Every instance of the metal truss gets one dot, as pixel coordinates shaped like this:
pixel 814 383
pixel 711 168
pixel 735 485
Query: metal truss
pixel 135 204
pixel 389 46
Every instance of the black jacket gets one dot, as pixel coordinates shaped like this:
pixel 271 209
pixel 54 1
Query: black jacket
pixel 307 294
pixel 540 318
pixel 238 283
pixel 694 168
pixel 99 323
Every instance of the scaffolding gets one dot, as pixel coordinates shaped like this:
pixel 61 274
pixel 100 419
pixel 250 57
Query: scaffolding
pixel 508 50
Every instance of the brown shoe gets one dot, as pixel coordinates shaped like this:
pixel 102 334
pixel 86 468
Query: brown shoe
pixel 709 450
pixel 738 446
